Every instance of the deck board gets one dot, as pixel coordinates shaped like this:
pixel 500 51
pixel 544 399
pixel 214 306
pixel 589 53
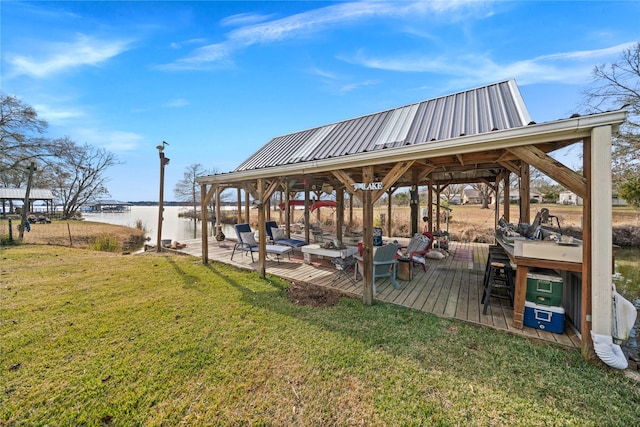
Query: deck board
pixel 449 288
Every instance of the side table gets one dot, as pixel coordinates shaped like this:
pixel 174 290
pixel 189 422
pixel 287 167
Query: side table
pixel 405 272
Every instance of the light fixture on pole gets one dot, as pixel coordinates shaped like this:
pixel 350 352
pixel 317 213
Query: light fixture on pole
pixel 163 162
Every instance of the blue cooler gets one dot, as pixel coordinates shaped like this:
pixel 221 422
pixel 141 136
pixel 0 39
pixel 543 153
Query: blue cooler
pixel 544 317
pixel 377 236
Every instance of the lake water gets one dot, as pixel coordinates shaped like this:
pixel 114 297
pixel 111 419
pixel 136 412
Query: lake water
pixel 173 226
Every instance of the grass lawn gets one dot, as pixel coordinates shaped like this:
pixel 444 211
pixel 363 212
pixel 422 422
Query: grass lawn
pixel 93 338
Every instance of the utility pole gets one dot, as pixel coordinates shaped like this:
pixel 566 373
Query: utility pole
pixel 163 162
pixel 25 206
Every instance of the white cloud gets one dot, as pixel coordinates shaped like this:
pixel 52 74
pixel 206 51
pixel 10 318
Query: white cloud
pixel 306 23
pixel 567 67
pixel 62 56
pixel 116 141
pixel 176 103
pixel 57 115
pixel 243 19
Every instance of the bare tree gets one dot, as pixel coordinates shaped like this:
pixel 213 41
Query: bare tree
pixel 452 191
pixel 21 140
pixel 188 190
pixel 618 85
pixel 78 174
pixel 484 192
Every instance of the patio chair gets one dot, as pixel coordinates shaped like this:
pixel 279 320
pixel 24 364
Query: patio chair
pixel 277 237
pixel 418 247
pixel 384 264
pixel 246 240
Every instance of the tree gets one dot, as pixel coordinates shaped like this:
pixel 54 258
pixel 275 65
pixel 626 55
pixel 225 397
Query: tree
pixel 617 85
pixel 484 192
pixel 188 190
pixel 452 192
pixel 21 132
pixel 630 191
pixel 77 174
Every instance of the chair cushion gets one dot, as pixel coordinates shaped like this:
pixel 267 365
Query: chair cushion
pixel 277 233
pixel 248 238
pixel 419 242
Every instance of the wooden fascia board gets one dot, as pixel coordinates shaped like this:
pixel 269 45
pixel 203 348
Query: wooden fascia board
pixel 561 130
pixel 553 169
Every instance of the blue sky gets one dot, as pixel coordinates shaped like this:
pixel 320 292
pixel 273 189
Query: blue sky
pixel 218 80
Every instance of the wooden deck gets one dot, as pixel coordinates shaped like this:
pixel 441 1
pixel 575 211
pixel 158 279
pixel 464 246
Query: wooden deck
pixel 451 287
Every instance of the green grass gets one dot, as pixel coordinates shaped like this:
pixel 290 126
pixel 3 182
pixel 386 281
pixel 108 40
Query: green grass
pixel 93 338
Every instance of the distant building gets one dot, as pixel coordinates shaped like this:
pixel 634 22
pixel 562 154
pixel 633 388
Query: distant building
pixel 108 205
pixel 569 198
pixel 8 196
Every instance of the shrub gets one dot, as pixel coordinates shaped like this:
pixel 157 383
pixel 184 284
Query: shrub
pixel 106 243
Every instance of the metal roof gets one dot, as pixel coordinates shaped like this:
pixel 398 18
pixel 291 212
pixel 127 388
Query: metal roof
pixel 19 193
pixel 497 106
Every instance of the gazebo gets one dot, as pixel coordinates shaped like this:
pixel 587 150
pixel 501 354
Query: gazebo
pixel 482 135
pixel 18 194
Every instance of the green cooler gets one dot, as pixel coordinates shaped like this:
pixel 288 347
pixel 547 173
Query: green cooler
pixel 544 287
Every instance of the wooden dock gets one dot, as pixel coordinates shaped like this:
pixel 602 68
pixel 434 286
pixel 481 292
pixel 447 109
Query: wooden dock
pixel 450 288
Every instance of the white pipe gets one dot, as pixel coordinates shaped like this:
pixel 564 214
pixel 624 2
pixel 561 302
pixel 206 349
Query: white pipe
pixel 608 352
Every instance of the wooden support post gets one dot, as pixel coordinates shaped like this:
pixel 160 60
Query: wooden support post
pixel 525 193
pixel 339 212
pixel 507 196
pixel 389 197
pixel 205 223
pixel 27 202
pixel 306 211
pixel 367 238
pixel 247 206
pixel 430 206
pixel 262 238
pixel 239 206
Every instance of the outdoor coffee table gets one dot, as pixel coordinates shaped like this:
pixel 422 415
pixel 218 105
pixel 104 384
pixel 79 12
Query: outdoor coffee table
pixel 315 249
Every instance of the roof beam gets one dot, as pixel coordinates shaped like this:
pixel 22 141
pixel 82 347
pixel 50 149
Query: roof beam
pixel 552 168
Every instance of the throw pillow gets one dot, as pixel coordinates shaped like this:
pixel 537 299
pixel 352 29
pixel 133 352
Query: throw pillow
pixel 277 233
pixel 418 243
pixel 249 238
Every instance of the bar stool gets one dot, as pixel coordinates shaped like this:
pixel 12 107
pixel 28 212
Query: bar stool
pixel 498 277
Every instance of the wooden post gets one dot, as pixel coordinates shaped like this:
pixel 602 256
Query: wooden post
pixel 525 194
pixel 204 214
pixel 367 238
pixel 430 206
pixel 239 201
pixel 262 238
pixel 507 196
pixel 389 196
pixel 219 191
pixel 339 212
pixel 27 202
pixel 163 162
pixel 287 211
pixel 306 211
pixel 247 207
